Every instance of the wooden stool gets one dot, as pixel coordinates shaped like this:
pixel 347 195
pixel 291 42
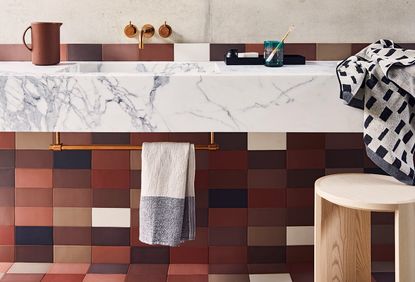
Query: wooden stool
pixel 343 204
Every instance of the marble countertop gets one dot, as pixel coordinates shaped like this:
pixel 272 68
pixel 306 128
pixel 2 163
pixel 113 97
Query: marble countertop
pixel 172 97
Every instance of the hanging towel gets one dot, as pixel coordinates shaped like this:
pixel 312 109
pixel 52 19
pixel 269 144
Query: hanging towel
pixel 167 207
pixel 380 79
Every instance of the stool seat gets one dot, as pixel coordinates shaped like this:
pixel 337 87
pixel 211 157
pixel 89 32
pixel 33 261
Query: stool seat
pixel 365 191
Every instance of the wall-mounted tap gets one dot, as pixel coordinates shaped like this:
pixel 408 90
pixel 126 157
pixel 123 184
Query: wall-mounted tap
pixel 147 31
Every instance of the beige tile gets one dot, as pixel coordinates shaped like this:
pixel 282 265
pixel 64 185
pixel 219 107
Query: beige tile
pixel 229 278
pixel 135 160
pixel 266 236
pixel 72 254
pixel 33 141
pixel 30 268
pixel 111 217
pixel 300 235
pixel 278 277
pixel 333 52
pixel 76 217
pixel 135 198
pixel 267 141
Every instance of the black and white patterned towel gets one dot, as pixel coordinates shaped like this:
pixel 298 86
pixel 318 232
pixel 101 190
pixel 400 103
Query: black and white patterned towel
pixel 380 79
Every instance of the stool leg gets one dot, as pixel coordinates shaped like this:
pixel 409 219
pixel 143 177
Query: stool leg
pixel 405 243
pixel 342 243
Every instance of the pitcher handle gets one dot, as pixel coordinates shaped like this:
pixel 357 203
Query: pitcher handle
pixel 24 38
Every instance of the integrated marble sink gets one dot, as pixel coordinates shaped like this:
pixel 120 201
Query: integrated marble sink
pixel 172 97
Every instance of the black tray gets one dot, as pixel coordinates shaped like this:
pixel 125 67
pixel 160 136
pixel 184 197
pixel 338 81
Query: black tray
pixel 288 60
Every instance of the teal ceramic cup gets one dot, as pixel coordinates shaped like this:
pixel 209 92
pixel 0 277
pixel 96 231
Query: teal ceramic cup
pixel 278 59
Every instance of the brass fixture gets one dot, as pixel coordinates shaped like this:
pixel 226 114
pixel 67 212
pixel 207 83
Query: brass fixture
pixel 59 146
pixel 165 30
pixel 130 30
pixel 147 31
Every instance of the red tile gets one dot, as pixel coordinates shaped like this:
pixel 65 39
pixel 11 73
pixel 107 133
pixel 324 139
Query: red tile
pixel 6 235
pixel 130 52
pixel 111 254
pixel 188 269
pixel 111 160
pixel 267 198
pixel 63 278
pixel 300 197
pixel 7 140
pixel 7 253
pixel 202 199
pixel 225 255
pixel 72 197
pixel 147 278
pixel 189 255
pixel 146 269
pixel 228 217
pixel 227 179
pixel 111 179
pixel 305 159
pixel 104 278
pixel 357 47
pixel 228 160
pixel 34 253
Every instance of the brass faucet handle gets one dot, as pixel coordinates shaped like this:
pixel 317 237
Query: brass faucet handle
pixel 165 30
pixel 148 31
pixel 130 30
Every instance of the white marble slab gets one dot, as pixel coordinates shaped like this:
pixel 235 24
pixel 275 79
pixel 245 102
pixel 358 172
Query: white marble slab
pixel 173 97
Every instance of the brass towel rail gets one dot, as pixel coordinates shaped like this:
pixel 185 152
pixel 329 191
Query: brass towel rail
pixel 59 146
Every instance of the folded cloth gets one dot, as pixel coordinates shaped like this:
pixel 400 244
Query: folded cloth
pixel 167 206
pixel 380 79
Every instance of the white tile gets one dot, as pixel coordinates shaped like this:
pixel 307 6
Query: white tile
pixel 192 52
pixel 30 268
pixel 111 217
pixel 280 277
pixel 300 235
pixel 267 141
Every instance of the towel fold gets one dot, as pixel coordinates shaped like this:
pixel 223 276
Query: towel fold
pixel 167 207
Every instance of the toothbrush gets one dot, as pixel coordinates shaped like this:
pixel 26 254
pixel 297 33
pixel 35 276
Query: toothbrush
pixel 271 56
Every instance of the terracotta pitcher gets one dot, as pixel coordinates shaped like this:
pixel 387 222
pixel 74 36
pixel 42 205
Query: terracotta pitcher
pixel 45 43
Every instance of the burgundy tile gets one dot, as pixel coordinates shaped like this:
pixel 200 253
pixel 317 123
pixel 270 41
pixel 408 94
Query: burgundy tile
pixel 227 217
pixel 202 160
pixel 11 277
pixel 383 218
pixel 266 254
pixel 111 138
pixel 202 217
pixel 72 178
pixel 344 141
pixel 194 138
pixel 154 277
pixel 227 255
pixel 7 159
pixel 84 52
pixel 72 197
pixel 63 278
pixel 201 240
pixel 300 216
pixel 228 160
pixel 111 159
pixel 302 141
pixel 303 178
pixel 130 52
pixel 227 236
pixel 76 138
pixel 140 138
pixel 267 217
pixel 111 198
pixel 188 278
pixel 135 179
pixel 268 268
pixel 227 179
pixel 34 159
pixel 150 255
pixel 32 197
pixel 267 178
pixel 189 255
pixel 7 178
pixel 296 254
pixel 14 52
pixel 7 139
pixel 307 50
pixel 267 159
pixel 301 197
pixel 110 236
pixel 228 268
pixel 344 158
pixel 305 159
pixel 202 179
pixel 382 234
pixel 357 47
pixel 80 236
pixel 267 198
pixel 34 253
pixel 232 141
pixel 146 269
pixel 106 268
pixel 202 199
pixel 111 179
pixel 218 51
pixel 383 252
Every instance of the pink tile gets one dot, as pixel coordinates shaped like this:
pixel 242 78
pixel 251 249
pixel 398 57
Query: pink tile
pixel 69 268
pixel 105 278
pixel 33 178
pixel 33 216
pixel 4 266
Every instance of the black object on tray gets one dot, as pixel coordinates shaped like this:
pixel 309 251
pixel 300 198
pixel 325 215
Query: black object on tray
pixel 231 58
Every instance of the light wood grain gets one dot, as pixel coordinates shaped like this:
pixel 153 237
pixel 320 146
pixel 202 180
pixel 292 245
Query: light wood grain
pixel 405 243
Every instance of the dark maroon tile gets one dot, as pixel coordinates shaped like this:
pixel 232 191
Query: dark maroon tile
pixel 267 178
pixel 194 138
pixel 228 217
pixel 7 159
pixel 228 160
pixel 228 268
pixel 383 218
pixel 72 178
pixel 300 216
pixel 146 269
pixel 110 179
pixel 202 160
pixel 344 141
pixel 110 236
pixel 357 47
pixel 267 268
pixel 34 253
pixel 153 277
pixel 111 198
pixel 227 255
pixel 303 141
pixel 202 217
pixel 344 159
pixel 130 52
pixel 303 178
pixel 232 141
pixel 384 276
pixel 78 236
pixel 84 52
pixel 14 52
pixel 382 234
pixel 227 179
pixel 218 51
pixel 150 255
pixel 227 236
pixel 34 159
pixel 189 255
pixel 267 159
pixel 266 254
pixel 135 179
pixel 300 197
pixel 297 254
pixel 111 138
pixel 267 217
pixel 267 198
pixel 7 178
pixel 383 252
pixel 105 268
pixel 202 179
pixel 305 159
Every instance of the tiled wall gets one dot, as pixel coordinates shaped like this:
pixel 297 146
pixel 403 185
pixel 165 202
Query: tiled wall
pixel 254 200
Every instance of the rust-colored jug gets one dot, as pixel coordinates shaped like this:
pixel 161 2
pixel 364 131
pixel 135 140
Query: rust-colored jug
pixel 45 43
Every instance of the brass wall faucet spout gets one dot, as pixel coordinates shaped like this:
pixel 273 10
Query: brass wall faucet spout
pixel 147 31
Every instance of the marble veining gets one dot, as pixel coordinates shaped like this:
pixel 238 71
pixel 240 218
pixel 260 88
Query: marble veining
pixel 172 97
